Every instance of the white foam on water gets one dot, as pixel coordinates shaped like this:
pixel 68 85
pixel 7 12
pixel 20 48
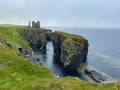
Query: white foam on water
pixel 113 61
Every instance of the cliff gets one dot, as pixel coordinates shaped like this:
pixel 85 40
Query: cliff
pixel 37 38
pixel 71 48
pixel 18 74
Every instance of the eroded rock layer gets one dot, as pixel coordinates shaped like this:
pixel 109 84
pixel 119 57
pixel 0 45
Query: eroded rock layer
pixel 71 48
pixel 37 37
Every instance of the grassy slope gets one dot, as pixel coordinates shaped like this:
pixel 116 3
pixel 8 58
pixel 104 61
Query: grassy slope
pixel 18 74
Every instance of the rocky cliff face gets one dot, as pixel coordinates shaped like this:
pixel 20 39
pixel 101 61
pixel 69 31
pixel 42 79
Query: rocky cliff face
pixel 37 37
pixel 72 49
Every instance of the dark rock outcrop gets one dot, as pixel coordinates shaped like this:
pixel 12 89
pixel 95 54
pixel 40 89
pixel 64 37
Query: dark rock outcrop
pixel 95 76
pixel 20 49
pixel 48 34
pixel 37 38
pixel 34 60
pixel 27 52
pixel 72 49
pixel 9 45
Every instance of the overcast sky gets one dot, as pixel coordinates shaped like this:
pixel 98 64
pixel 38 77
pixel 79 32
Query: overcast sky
pixel 90 13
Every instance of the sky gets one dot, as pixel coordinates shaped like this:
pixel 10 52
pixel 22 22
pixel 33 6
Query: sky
pixel 67 13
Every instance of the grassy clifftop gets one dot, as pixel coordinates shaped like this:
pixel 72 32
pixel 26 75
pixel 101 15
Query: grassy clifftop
pixel 15 71
pixel 18 74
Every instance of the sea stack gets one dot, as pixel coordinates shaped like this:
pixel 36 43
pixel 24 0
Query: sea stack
pixel 72 49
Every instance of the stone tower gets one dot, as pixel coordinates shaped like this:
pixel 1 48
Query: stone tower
pixel 33 24
pixel 38 24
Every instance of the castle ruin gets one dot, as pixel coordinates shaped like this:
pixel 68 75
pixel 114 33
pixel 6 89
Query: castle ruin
pixel 34 24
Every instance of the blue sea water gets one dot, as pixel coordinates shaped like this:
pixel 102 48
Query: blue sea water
pixel 103 54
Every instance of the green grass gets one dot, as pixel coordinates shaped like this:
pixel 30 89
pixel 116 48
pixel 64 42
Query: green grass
pixel 70 39
pixel 18 74
pixel 70 36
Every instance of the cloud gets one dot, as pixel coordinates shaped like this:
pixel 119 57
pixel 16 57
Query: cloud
pixel 62 12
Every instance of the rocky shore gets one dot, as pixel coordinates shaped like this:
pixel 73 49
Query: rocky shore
pixel 37 38
pixel 71 49
pixel 96 76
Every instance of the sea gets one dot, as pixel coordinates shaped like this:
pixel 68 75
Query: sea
pixel 103 55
